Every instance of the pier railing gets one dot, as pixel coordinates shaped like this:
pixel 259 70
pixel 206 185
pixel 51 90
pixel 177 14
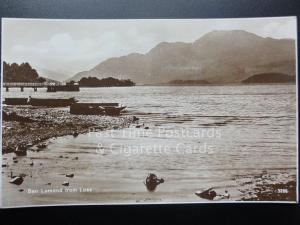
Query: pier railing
pixel 51 86
pixel 29 84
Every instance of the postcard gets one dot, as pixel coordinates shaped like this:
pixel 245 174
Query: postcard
pixel 148 111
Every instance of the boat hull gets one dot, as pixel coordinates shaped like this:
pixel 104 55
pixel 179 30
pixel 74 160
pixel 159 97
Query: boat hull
pixel 111 109
pixel 16 101
pixel 52 102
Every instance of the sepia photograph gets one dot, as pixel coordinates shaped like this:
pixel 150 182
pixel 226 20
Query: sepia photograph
pixel 148 111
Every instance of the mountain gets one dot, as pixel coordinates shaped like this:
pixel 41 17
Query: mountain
pixel 270 78
pixel 217 57
pixel 51 75
pixel 47 80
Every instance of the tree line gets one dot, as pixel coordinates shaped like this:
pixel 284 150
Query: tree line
pixel 105 82
pixel 20 73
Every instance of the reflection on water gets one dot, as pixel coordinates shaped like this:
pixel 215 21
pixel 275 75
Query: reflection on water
pixel 211 133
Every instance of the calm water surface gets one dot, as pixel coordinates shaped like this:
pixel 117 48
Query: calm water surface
pixel 198 137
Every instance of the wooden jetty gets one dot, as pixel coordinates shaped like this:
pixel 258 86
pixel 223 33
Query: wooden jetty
pixel 23 85
pixel 66 87
pixel 51 87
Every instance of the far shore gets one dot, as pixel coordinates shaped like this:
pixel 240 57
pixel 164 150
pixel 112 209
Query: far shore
pixel 225 84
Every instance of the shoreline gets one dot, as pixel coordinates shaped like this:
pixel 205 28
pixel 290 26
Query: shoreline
pixel 36 125
pixel 268 186
pixel 46 123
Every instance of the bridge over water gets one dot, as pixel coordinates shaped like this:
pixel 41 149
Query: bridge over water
pixel 51 87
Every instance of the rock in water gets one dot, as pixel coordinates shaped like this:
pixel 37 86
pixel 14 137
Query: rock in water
pixel 209 194
pixel 65 183
pixel 152 182
pixel 17 180
pixel 71 175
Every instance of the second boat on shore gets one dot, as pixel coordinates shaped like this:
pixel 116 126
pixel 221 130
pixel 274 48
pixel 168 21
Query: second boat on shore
pixel 111 109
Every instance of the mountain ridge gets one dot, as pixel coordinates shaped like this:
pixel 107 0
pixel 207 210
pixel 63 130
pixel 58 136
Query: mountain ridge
pixel 217 56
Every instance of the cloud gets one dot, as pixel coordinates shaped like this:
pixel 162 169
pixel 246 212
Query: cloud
pixel 59 49
pixel 63 50
pixel 278 29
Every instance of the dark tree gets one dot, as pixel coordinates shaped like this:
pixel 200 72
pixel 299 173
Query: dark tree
pixel 105 82
pixel 19 73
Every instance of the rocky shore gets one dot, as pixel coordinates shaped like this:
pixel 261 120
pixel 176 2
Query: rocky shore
pixel 31 125
pixel 268 186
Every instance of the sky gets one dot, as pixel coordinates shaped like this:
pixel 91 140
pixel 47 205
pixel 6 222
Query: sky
pixel 71 46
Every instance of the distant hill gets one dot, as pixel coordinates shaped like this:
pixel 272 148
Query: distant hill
pixel 188 82
pixel 51 74
pixel 52 81
pixel 270 78
pixel 217 57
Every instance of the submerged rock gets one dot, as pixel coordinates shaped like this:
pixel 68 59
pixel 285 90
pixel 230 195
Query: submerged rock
pixel 209 194
pixel 71 175
pixel 152 181
pixel 65 183
pixel 17 180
